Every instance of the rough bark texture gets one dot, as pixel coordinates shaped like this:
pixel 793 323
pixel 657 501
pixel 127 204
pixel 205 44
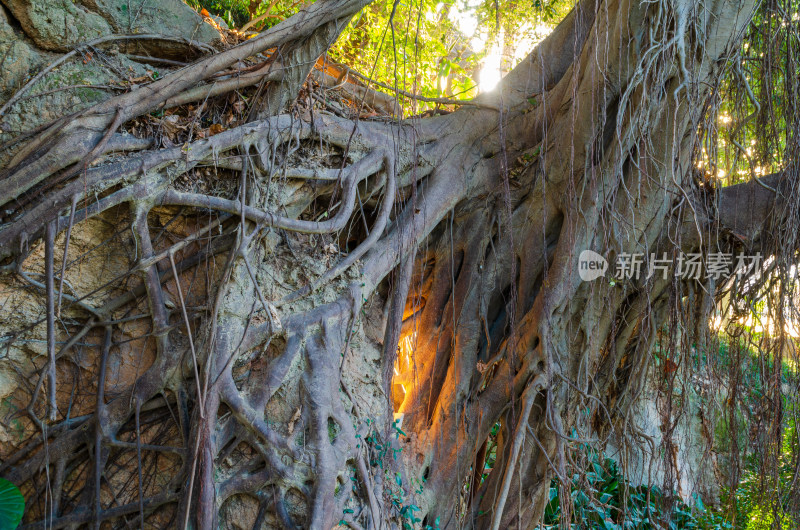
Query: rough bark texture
pixel 257 389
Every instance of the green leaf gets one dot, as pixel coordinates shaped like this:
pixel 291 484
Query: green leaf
pixel 12 505
pixel 699 503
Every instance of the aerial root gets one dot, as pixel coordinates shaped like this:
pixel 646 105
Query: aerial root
pixel 360 171
pixel 248 416
pixel 151 164
pixel 51 326
pixel 66 250
pixel 528 397
pixel 375 234
pixel 200 398
pixel 270 71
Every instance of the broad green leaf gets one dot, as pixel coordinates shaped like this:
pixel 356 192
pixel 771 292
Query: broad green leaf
pixel 12 505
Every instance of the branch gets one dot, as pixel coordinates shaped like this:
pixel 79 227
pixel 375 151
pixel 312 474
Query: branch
pixel 528 398
pixel 364 246
pixel 360 170
pixel 269 72
pixel 67 141
pixel 745 209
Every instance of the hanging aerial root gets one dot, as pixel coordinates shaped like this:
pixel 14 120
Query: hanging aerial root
pixel 528 397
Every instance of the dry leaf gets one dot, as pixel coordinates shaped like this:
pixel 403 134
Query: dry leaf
pixel 171 126
pixel 140 79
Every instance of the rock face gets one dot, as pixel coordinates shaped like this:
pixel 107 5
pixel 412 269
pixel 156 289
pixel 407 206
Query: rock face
pixel 34 33
pixel 148 16
pixel 19 57
pixel 59 25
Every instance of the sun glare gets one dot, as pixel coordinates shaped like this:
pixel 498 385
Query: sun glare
pixel 403 370
pixel 500 54
pixel 490 73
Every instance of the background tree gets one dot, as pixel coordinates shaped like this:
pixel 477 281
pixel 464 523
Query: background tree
pixel 252 248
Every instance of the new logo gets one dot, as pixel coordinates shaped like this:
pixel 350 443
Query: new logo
pixel 591 265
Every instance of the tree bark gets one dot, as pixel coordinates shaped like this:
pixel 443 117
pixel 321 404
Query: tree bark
pixel 460 232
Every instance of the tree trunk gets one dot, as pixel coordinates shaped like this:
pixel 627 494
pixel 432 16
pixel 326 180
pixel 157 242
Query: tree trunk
pixel 260 387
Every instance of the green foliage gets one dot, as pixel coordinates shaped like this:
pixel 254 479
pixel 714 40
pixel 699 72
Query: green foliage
pixel 237 13
pixel 401 493
pixel 602 498
pixel 757 423
pixel 430 48
pixel 437 48
pixel 761 498
pixel 754 122
pixel 491 454
pixel 414 47
pixel 234 12
pixel 12 505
